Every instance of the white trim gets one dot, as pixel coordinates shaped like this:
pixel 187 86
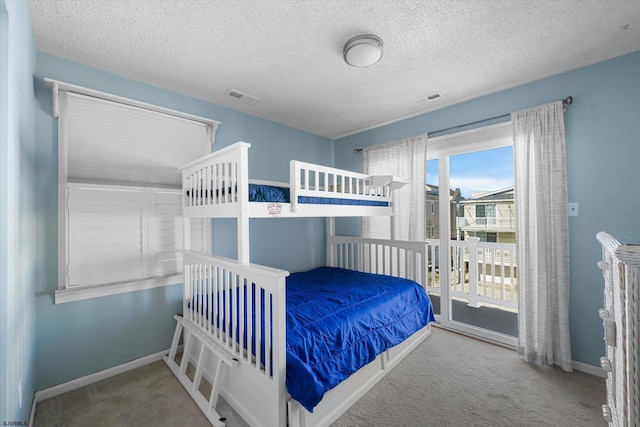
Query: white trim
pixel 154 189
pixel 63 220
pixel 477 139
pixel 92 378
pixel 496 338
pixel 588 369
pixel 87 292
pixel 98 376
pixel 57 86
pixel 578 366
pixel 32 416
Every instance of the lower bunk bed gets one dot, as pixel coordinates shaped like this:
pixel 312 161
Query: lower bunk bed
pixel 299 349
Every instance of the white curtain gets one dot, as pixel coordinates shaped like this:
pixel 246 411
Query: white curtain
pixel 405 159
pixel 542 232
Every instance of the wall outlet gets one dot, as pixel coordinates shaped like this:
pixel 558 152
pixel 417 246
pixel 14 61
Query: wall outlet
pixel 574 209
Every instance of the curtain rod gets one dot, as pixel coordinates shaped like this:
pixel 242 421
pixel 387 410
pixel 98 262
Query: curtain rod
pixel 567 101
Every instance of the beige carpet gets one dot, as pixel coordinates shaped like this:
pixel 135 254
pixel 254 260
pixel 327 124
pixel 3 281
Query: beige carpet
pixel 449 380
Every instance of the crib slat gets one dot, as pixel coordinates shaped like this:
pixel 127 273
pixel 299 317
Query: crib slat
pixel 251 292
pixel 219 303
pixel 227 308
pixel 231 330
pixel 242 289
pixel 259 327
pixel 209 185
pixel 234 188
pixel 208 298
pixel 267 338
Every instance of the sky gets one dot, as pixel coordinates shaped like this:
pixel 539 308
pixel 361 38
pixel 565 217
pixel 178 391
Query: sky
pixel 479 171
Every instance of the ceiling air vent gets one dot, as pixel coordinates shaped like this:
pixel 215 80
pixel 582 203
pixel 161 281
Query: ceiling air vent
pixel 429 98
pixel 237 95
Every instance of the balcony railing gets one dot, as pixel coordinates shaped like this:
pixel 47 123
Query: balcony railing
pixel 480 272
pixel 486 222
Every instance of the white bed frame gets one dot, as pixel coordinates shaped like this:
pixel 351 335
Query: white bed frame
pixel 255 388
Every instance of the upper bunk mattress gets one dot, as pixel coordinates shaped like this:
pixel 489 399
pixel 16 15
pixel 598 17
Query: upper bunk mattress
pixel 275 194
pixel 339 320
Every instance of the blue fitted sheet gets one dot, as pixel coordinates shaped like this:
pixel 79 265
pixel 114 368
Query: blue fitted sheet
pixel 340 320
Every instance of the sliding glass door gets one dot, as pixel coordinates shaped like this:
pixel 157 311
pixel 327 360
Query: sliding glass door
pixel 470 230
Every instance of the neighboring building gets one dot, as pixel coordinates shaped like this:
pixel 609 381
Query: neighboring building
pixel 432 218
pixel 489 216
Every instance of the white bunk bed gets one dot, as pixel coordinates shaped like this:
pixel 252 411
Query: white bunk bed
pixel 245 361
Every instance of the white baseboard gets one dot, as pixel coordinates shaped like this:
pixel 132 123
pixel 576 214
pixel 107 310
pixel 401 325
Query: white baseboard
pixel 578 366
pixel 90 379
pixel 588 369
pixel 33 411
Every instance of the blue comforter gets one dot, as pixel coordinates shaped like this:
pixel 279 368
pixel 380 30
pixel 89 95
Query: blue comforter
pixel 340 320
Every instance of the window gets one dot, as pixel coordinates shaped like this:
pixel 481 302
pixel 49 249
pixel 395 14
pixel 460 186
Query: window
pixel 486 214
pixel 120 213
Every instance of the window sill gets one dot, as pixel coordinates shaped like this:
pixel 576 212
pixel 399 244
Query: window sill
pixel 80 293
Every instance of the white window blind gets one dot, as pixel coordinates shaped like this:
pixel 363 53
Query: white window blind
pixel 110 142
pixel 105 236
pixel 120 235
pixel 120 213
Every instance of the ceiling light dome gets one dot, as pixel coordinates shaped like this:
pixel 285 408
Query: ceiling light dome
pixel 363 50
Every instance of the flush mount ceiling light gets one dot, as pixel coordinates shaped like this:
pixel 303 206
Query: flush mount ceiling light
pixel 363 50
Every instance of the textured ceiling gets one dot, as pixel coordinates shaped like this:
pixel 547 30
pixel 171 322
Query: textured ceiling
pixel 289 53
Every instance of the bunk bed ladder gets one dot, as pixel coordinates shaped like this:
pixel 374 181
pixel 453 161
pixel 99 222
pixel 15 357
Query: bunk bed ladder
pixel 198 355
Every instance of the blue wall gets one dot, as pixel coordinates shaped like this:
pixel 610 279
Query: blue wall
pixel 18 215
pixel 45 344
pixel 80 338
pixel 603 150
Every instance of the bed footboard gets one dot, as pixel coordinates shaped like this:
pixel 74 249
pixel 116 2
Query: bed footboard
pixel 234 330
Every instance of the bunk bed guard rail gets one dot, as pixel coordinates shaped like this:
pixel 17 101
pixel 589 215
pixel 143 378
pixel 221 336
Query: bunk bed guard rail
pixel 319 182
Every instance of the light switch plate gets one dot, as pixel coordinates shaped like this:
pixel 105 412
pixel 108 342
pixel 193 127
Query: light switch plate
pixel 574 209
